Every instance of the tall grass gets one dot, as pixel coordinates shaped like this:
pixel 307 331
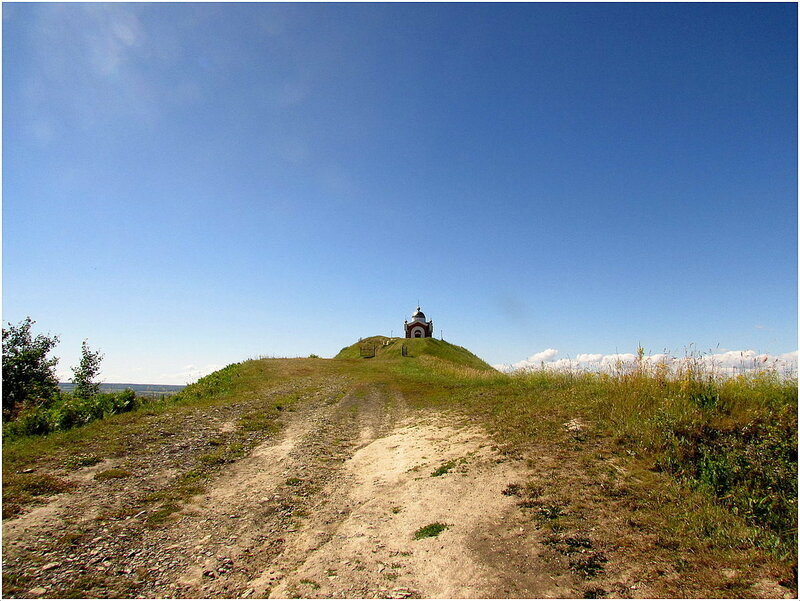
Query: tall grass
pixel 733 438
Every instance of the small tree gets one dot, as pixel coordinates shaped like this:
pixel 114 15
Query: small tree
pixel 85 373
pixel 28 373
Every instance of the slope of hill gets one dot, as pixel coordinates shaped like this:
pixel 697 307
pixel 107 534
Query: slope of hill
pixel 392 477
pixel 384 347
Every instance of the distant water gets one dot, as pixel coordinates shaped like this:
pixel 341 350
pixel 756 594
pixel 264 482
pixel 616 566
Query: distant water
pixel 141 389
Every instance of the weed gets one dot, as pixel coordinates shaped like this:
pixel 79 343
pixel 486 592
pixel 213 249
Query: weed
pixel 588 566
pixel 444 468
pixel 111 474
pixel 533 490
pixel 162 514
pixel 261 420
pixel 513 490
pixel 434 529
pixel 314 585
pixel 568 545
pixel 293 481
pixel 397 509
pixel 594 593
pixel 81 461
pixel 549 512
pixel 22 489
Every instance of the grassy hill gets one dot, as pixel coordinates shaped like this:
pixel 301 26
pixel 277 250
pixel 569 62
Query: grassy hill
pixel 692 475
pixel 391 348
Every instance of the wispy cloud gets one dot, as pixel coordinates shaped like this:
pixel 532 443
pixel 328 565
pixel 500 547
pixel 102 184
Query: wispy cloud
pixel 726 362
pixel 96 62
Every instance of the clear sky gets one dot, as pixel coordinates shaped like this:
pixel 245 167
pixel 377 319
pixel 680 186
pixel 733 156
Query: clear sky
pixel 188 185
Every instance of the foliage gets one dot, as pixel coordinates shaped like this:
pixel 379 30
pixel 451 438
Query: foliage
pixel 29 378
pixel 70 411
pixel 86 372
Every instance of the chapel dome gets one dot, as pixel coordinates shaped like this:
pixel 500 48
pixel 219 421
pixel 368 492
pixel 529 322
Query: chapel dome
pixel 418 315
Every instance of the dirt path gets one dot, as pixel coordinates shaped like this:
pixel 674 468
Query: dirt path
pixel 330 510
pixel 329 507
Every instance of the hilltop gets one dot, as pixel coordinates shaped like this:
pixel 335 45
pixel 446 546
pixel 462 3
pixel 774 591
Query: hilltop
pixel 426 475
pixel 391 348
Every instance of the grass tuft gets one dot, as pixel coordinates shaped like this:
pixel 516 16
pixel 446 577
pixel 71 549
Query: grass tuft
pixel 111 474
pixel 434 529
pixel 444 468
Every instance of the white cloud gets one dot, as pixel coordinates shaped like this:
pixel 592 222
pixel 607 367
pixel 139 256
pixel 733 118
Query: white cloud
pixel 536 360
pixel 727 362
pixel 545 355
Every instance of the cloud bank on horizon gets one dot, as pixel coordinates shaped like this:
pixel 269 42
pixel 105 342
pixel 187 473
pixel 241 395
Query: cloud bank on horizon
pixel 725 362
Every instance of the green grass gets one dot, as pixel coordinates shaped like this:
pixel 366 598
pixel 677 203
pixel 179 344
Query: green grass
pixel 111 474
pixel 24 489
pixel 434 529
pixel 391 348
pixel 444 468
pixel 733 441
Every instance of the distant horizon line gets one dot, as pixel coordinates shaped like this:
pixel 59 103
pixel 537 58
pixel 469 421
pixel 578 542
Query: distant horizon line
pixel 127 384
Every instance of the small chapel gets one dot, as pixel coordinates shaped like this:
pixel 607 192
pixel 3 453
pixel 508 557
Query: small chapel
pixel 418 327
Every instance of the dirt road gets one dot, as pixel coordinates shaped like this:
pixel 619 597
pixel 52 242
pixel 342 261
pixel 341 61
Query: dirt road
pixel 330 506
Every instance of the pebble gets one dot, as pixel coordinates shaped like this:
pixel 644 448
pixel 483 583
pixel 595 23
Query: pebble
pixel 50 566
pixel 39 591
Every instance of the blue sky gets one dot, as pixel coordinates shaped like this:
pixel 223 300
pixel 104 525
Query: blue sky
pixel 188 185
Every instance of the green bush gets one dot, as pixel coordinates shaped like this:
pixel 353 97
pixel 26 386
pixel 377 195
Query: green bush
pixel 70 411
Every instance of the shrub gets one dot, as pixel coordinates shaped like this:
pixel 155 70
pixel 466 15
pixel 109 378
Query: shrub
pixel 70 411
pixel 29 378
